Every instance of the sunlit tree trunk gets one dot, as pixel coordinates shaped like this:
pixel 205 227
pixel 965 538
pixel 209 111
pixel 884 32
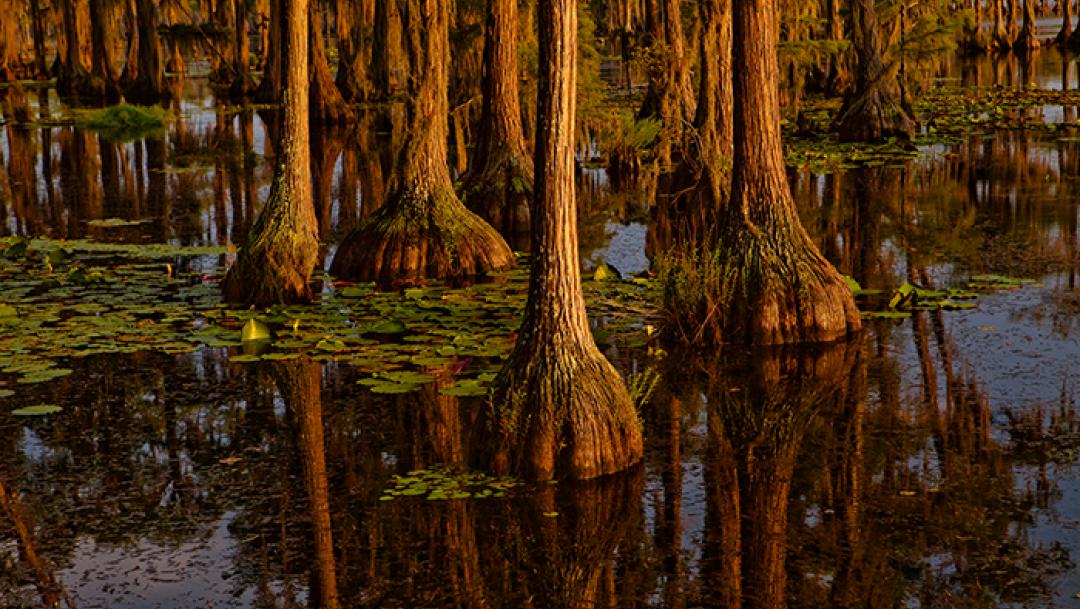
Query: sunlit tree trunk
pixel 423 229
pixel 874 110
pixel 1028 39
pixel 39 27
pixel 1000 40
pixel 558 407
pixel 355 28
pixel 388 53
pixel 12 99
pixel 149 85
pixel 328 107
pixel 275 264
pixel 102 35
pixel 269 90
pixel 776 287
pixel 499 183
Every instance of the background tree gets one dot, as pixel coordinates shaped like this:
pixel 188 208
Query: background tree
pixel 499 184
pixel 669 97
pixel 13 98
pixel 275 264
pixel 1028 39
pixel 874 110
pixel 149 84
pixel 327 104
pixel 355 25
pixel 558 407
pixel 775 287
pixel 423 229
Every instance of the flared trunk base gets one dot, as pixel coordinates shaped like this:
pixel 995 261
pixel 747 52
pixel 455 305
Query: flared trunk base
pixel 421 234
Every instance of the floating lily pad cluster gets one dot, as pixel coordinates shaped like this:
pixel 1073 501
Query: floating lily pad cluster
pixel 909 297
pixel 64 301
pixel 443 483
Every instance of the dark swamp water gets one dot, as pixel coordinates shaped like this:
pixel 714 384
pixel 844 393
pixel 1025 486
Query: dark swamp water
pixel 930 463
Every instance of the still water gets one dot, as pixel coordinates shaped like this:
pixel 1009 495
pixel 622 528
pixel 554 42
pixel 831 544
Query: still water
pixel 929 463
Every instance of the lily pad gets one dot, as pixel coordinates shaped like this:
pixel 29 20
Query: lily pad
pixel 36 410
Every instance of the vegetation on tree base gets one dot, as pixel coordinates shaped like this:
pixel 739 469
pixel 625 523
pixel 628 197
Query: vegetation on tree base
pixel 421 235
pixel 556 411
pixel 500 193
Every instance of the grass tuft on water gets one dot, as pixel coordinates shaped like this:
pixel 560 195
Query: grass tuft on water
pixel 126 122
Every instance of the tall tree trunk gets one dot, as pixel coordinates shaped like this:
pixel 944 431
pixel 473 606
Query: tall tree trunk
pixel 559 408
pixel 242 84
pixel 388 53
pixel 775 287
pixel 13 98
pixel 355 25
pixel 170 11
pixel 275 264
pixel 75 79
pixel 149 85
pixel 499 184
pixel 1028 38
pixel 838 81
pixel 270 87
pixel 101 28
pixel 225 21
pixel 1065 34
pixel 669 97
pixel 328 107
pixel 39 25
pixel 1000 40
pixel 423 229
pixel 874 110
pixel 131 61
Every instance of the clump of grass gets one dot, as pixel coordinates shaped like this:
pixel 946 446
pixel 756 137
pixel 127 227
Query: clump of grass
pixel 690 283
pixel 126 122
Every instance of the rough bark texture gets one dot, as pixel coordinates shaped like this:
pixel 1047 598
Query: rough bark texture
pixel 388 53
pixel 874 111
pixel 328 107
pixel 669 97
pixel 558 407
pixel 355 25
pixel 149 85
pixel 1028 39
pixel 776 287
pixel 13 97
pixel 499 184
pixel 275 264
pixel 423 229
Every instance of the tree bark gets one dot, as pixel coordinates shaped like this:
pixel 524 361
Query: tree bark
pixel 388 53
pixel 274 265
pixel 775 286
pixel 328 107
pixel 149 85
pixel 874 110
pixel 1028 39
pixel 499 184
pixel 75 79
pixel 355 24
pixel 558 407
pixel 40 28
pixel 12 99
pixel 270 87
pixel 669 97
pixel 101 30
pixel 1000 41
pixel 242 84
pixel 423 229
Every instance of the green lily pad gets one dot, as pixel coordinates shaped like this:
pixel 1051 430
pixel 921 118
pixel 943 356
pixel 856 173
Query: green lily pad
pixel 36 410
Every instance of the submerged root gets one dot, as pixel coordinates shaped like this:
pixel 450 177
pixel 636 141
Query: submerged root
pixel 501 193
pixel 566 415
pixel 421 235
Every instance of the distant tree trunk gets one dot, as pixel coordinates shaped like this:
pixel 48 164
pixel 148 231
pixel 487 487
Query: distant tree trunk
pixel 669 97
pixel 838 81
pixel 499 184
pixel 558 407
pixel 1000 41
pixel 101 29
pixel 1028 39
pixel 388 54
pixel 242 84
pixel 223 13
pixel 355 25
pixel 275 264
pixel 874 110
pixel 1012 25
pixel 776 287
pixel 423 230
pixel 686 212
pixel 131 61
pixel 39 27
pixel 12 99
pixel 75 79
pixel 328 107
pixel 170 12
pixel 1065 34
pixel 269 90
pixel 149 85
